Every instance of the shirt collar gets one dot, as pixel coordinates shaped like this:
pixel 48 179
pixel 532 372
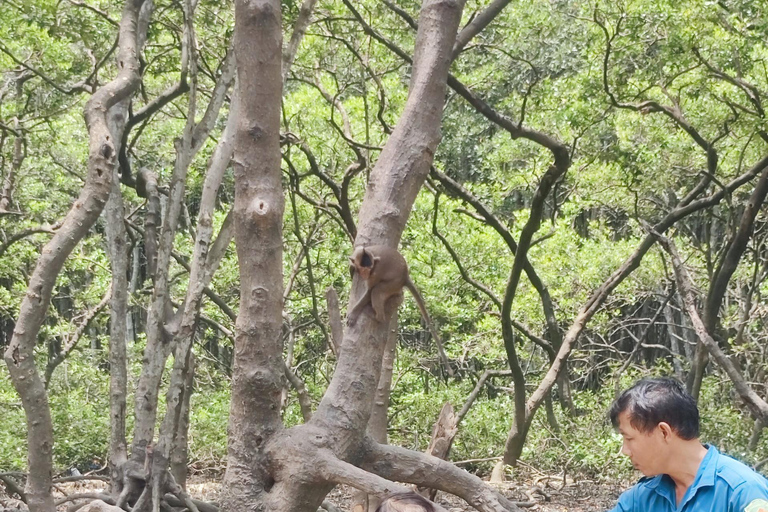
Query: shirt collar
pixel 705 476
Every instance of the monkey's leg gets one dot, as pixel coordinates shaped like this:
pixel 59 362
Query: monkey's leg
pixel 358 308
pixel 379 296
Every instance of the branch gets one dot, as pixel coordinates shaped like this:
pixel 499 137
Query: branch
pixel 340 472
pixel 757 405
pixel 299 29
pixel 595 301
pixel 749 90
pixel 645 107
pixel 24 234
pixel 75 337
pixel 404 465
pixel 305 404
pixel 334 318
pixel 43 76
pixel 464 274
pixel 516 130
pixel 736 247
pixel 477 25
pixel 478 387
pixel 101 13
pixel 12 487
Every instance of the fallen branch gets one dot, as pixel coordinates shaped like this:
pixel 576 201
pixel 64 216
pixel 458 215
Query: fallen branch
pixel 402 465
pixel 12 487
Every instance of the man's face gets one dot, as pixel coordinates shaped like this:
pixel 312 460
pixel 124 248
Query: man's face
pixel 646 450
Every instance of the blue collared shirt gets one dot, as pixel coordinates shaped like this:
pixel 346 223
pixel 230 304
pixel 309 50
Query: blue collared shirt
pixel 721 484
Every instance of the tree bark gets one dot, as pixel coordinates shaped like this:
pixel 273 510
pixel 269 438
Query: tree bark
pixel 259 205
pixel 377 424
pixel 20 353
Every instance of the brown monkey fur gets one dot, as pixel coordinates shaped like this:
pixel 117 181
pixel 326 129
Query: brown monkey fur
pixel 385 273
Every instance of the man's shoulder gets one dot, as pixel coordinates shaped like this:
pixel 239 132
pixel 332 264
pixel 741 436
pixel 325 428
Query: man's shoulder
pixel 647 484
pixel 736 474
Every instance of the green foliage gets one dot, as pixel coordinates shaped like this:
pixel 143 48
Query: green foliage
pixel 538 63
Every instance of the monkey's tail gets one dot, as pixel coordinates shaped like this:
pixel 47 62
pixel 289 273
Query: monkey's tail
pixel 431 326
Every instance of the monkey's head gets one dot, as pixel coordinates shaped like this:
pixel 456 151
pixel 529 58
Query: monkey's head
pixel 362 262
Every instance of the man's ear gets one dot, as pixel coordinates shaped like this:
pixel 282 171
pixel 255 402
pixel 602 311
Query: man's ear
pixel 666 430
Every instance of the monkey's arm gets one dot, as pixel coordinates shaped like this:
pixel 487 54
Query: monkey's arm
pixel 423 309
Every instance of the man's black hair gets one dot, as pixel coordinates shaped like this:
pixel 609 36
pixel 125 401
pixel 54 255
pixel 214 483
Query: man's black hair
pixel 653 400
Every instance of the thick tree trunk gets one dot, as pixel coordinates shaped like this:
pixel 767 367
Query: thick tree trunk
pixel 259 204
pixel 292 470
pixel 20 353
pixel 377 425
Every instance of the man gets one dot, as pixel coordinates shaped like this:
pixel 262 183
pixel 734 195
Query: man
pixel 659 423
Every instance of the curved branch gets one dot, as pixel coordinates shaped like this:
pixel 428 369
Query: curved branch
pixel 22 235
pixel 340 472
pixel 756 404
pixel 402 465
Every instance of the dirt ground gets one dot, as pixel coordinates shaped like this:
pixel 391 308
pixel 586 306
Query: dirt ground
pixel 537 493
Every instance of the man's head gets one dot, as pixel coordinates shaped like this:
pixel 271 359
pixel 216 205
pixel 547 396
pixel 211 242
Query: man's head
pixel 406 502
pixel 654 416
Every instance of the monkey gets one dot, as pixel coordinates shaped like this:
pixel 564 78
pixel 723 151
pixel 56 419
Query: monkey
pixel 385 273
pixel 406 502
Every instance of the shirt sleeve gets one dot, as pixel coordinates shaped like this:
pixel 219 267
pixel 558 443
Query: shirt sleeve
pixel 749 497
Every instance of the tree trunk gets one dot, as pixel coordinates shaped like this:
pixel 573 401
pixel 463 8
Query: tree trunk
pixel 279 470
pixel 19 355
pixel 719 284
pixel 258 368
pixel 377 425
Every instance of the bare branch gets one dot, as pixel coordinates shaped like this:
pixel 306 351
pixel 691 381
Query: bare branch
pixel 402 465
pixel 757 405
pixel 477 25
pixel 73 338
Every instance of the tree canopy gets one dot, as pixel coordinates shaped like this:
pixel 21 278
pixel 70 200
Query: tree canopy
pixel 578 189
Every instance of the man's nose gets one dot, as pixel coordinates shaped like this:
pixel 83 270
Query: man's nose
pixel 625 449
